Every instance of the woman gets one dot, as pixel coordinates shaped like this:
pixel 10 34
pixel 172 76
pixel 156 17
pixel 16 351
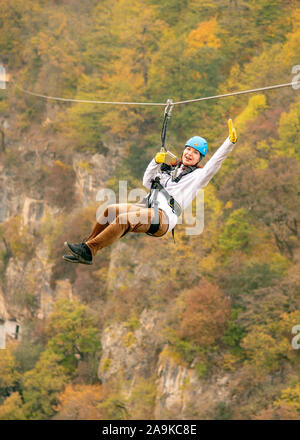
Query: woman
pixel 172 188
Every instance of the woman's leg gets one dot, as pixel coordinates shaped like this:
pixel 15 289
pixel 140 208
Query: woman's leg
pixel 108 216
pixel 130 218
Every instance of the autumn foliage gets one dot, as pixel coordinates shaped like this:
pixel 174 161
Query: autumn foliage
pixel 205 315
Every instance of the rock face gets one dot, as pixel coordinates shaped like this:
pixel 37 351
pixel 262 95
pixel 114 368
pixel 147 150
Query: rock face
pixel 3 201
pixel 33 211
pixel 3 311
pixel 88 176
pixel 10 202
pixel 182 394
pixel 25 286
pixel 125 256
pixel 129 353
pixel 92 175
pixel 27 290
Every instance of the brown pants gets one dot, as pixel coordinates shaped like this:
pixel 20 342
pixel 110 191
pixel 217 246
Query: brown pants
pixel 117 220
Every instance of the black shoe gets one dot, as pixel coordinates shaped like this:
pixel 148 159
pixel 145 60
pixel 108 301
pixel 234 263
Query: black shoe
pixel 73 259
pixel 81 251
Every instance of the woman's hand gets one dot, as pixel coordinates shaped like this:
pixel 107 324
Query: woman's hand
pixel 160 157
pixel 232 132
pixel 166 157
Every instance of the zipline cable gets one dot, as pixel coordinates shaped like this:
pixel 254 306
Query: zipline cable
pixel 55 98
pixel 237 93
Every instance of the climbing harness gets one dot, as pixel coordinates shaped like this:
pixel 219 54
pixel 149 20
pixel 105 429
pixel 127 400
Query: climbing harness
pixel 187 170
pixel 156 188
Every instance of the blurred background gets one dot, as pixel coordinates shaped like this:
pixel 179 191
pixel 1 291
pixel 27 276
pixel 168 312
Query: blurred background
pixel 200 329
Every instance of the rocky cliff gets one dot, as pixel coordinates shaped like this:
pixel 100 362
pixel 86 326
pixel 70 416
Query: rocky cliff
pixel 26 269
pixel 131 354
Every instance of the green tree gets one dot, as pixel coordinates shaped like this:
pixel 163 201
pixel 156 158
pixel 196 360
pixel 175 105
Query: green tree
pixel 234 333
pixel 265 21
pixel 271 198
pixel 42 385
pixel 290 397
pixel 9 375
pixel 267 347
pixel 237 232
pixel 289 136
pixel 12 408
pixel 12 29
pixel 240 282
pixel 73 333
pixel 141 401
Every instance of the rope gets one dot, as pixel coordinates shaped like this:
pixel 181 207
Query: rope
pixel 237 93
pixel 55 98
pixel 168 111
pixel 277 86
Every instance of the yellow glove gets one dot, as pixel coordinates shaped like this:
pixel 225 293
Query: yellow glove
pixel 160 157
pixel 232 132
pixel 166 157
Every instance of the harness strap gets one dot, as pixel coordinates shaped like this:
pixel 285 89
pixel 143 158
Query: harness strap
pixel 169 168
pixel 155 224
pixel 157 187
pixel 187 170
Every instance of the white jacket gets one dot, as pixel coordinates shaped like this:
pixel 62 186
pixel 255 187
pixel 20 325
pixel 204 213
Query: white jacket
pixel 187 188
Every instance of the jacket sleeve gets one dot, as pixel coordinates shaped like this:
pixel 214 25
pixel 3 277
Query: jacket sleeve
pixel 151 171
pixel 214 164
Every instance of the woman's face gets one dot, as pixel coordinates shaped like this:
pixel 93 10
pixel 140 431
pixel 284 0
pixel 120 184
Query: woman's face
pixel 190 156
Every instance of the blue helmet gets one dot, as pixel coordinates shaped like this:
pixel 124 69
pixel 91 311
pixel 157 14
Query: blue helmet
pixel 198 143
